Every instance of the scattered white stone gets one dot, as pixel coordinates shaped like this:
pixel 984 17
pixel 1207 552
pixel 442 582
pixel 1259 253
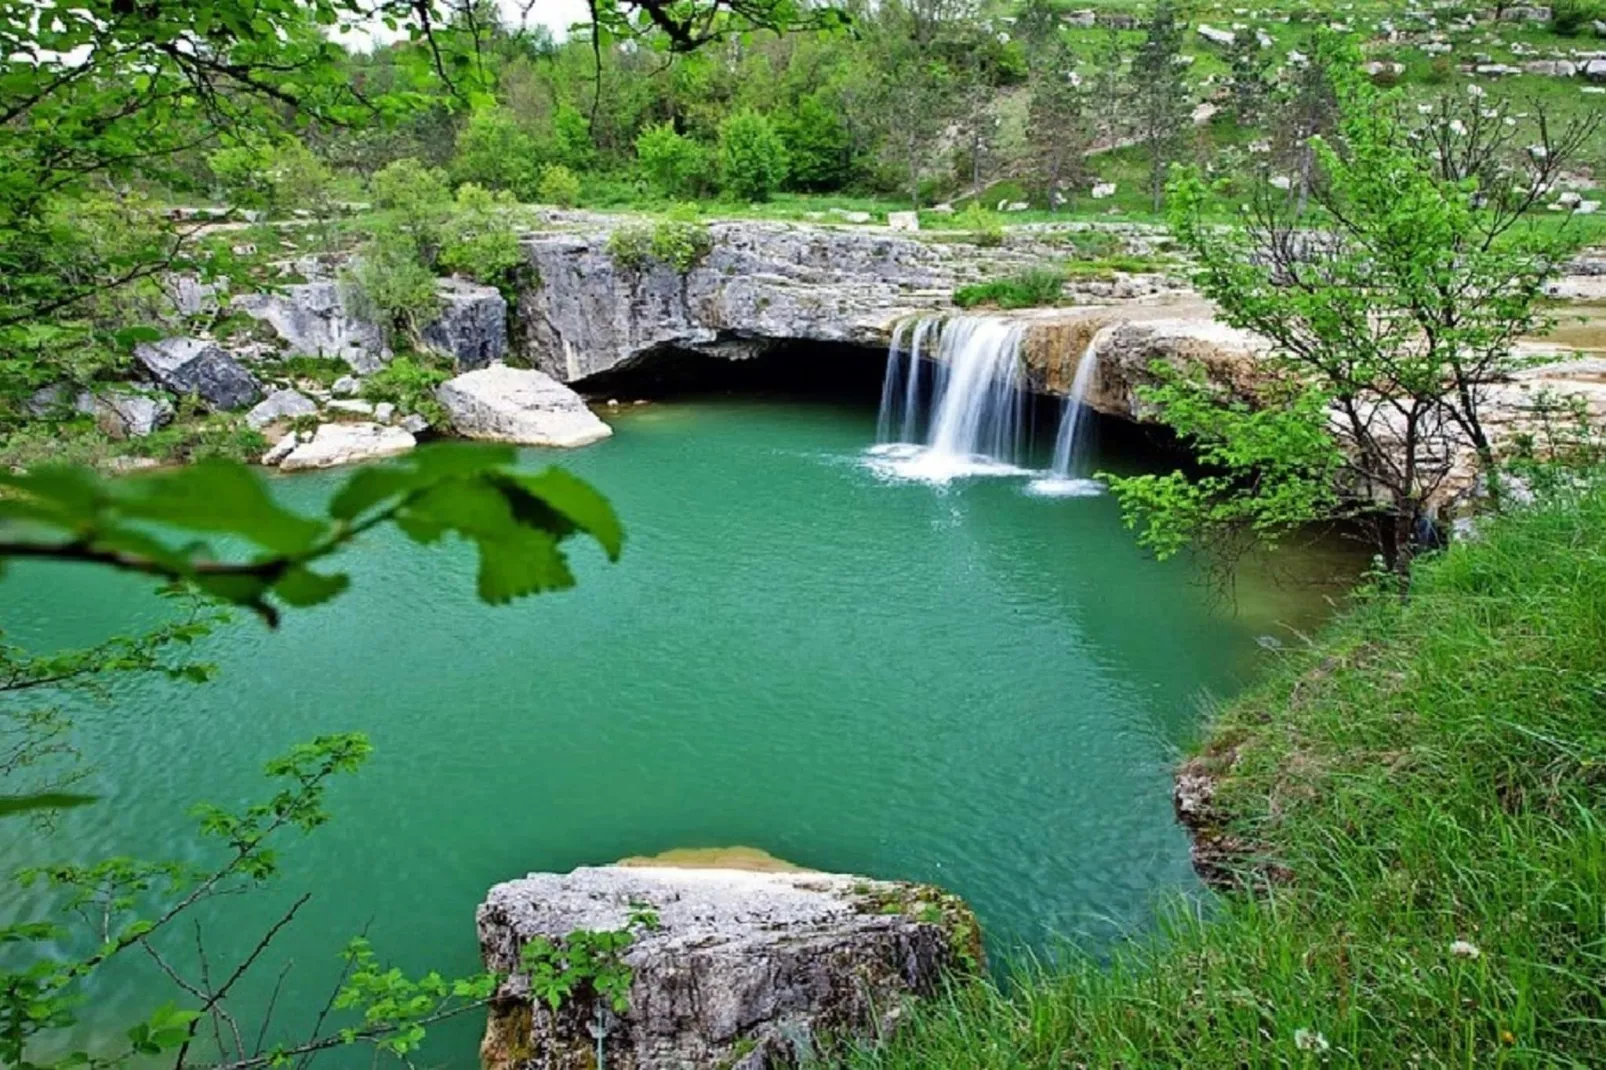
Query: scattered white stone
pixel 346 386
pixel 347 443
pixel 519 405
pixel 1281 182
pixel 848 216
pixel 1101 190
pixel 1215 36
pixel 1587 207
pixel 1569 199
pixel 943 209
pixel 1016 206
pixel 1551 68
pixel 281 449
pixel 414 424
pixel 355 405
pixel 384 412
pixel 907 221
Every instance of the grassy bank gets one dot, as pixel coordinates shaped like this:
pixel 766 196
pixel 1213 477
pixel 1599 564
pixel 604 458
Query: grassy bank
pixel 1426 789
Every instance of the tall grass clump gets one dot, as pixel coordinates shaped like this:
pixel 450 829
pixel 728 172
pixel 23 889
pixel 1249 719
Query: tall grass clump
pixel 1419 800
pixel 1029 289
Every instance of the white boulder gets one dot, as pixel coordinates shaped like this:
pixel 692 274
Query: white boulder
pixel 347 443
pixel 519 405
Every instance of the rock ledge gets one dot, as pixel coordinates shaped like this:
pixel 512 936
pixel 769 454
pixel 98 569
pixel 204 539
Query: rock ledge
pixel 745 969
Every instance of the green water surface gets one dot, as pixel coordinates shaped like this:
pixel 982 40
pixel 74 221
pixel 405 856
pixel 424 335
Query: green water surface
pixel 963 685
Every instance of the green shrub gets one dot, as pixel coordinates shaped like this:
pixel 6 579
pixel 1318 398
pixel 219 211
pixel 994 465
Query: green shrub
pixel 1439 71
pixel 752 157
pixel 559 186
pixel 494 151
pixel 1029 289
pixel 1569 17
pixel 389 285
pixel 480 239
pixel 985 227
pixel 673 165
pixel 414 202
pixel 321 370
pixel 571 138
pixel 819 149
pixel 630 246
pixel 408 382
pixel 680 243
pixel 277 177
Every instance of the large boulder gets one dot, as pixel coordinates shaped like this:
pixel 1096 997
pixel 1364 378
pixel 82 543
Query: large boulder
pixel 319 319
pixel 519 405
pixel 280 405
pixel 472 326
pixel 347 443
pixel 196 366
pixel 733 968
pixel 125 411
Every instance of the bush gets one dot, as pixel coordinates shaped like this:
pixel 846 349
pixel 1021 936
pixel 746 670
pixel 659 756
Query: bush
pixel 414 201
pixel 674 166
pixel 480 239
pixel 494 151
pixel 985 227
pixel 389 285
pixel 277 177
pixel 559 186
pixel 818 148
pixel 752 157
pixel 1569 17
pixel 1029 289
pixel 571 138
pixel 1439 71
pixel 678 242
pixel 630 246
pixel 409 383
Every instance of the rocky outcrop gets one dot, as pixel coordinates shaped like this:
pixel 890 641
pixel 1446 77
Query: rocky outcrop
pixel 346 443
pixel 196 366
pixel 740 969
pixel 760 283
pixel 472 325
pixel 126 412
pixel 320 319
pixel 519 405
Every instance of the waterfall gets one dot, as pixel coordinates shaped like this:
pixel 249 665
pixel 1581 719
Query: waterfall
pixel 1068 478
pixel 977 399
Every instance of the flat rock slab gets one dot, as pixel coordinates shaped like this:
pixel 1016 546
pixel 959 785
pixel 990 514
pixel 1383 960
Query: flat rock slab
pixel 347 443
pixel 519 405
pixel 743 969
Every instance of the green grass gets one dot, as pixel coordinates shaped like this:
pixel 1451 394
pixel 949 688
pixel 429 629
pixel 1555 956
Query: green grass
pixel 1429 781
pixel 1029 289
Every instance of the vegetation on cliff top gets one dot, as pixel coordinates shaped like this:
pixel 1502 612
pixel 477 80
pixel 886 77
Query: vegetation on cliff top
pixel 1415 812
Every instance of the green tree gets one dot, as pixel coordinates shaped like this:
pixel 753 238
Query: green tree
pixel 1388 327
pixel 674 165
pixel 1059 125
pixel 1160 94
pixel 752 157
pixel 494 151
pixel 819 149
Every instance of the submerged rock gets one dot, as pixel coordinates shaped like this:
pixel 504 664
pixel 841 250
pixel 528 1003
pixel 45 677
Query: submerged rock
pixel 346 443
pixel 742 969
pixel 519 405
pixel 472 326
pixel 199 367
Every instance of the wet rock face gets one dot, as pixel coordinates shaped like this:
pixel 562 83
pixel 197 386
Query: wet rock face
pixel 195 366
pixel 744 969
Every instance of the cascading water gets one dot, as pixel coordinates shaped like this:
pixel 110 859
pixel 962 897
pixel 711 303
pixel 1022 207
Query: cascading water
pixel 1068 476
pixel 977 399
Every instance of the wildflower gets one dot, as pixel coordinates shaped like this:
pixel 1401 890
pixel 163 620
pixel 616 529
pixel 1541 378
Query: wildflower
pixel 1310 1040
pixel 1465 949
pixel 1507 1037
